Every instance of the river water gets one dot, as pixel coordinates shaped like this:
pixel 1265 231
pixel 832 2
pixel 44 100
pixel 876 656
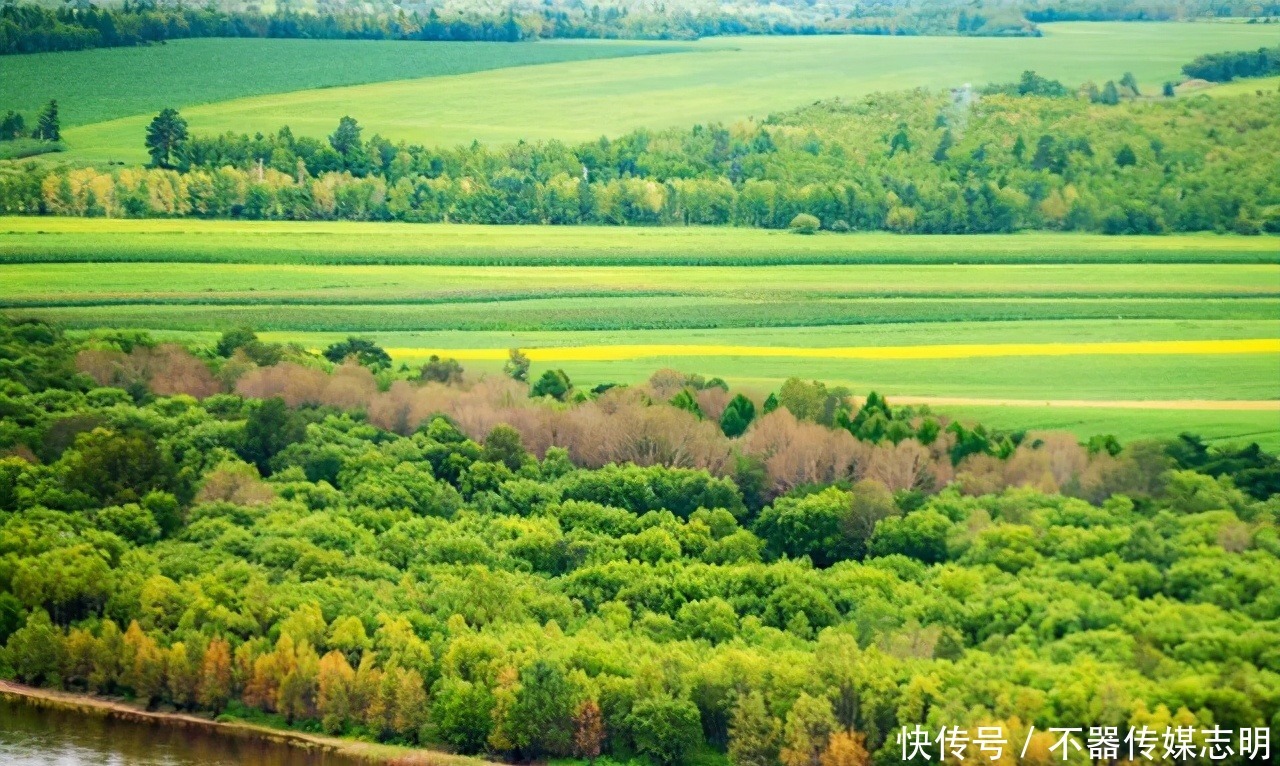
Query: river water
pixel 36 736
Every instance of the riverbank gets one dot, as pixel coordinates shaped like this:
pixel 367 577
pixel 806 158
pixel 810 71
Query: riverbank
pixel 367 752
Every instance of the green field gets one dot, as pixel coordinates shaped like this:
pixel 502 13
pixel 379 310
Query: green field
pixel 1156 377
pixel 1244 87
pixel 1126 424
pixel 420 289
pixel 108 83
pixel 71 240
pixel 55 284
pixel 718 79
pixel 601 312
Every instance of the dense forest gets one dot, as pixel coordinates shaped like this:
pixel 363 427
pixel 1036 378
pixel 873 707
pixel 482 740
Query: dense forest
pixel 1032 154
pixel 534 571
pixel 30 28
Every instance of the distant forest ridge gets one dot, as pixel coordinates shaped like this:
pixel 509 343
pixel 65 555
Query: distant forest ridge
pixel 33 28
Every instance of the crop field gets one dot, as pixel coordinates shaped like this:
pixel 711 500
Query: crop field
pixel 78 283
pixel 968 323
pixel 76 240
pixel 719 79
pixel 603 312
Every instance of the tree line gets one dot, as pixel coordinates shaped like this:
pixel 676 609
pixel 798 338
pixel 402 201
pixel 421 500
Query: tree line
pixel 1225 67
pixel 1110 159
pixel 442 577
pixel 31 28
pixel 1093 10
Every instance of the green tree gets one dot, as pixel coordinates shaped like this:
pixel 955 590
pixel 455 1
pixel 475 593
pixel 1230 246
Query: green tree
pixel 462 713
pixel 685 400
pixel 34 651
pixel 553 383
pixel 870 502
pixel 437 370
pixel 737 416
pixel 504 445
pixel 48 126
pixel 234 339
pixel 807 526
pixel 754 734
pixel 809 724
pixel 540 720
pixel 346 139
pixel 116 468
pixel 131 521
pixel 166 138
pixel 1130 82
pixel 517 365
pixel 12 615
pixel 271 427
pixel 812 401
pixel 12 126
pixel 665 729
pixel 921 535
pixel 944 146
pixel 1110 94
pixel 347 635
pixel 1019 149
pixel 900 142
pixel 364 351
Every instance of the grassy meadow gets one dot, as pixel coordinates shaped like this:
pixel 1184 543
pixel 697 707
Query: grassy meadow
pixel 717 79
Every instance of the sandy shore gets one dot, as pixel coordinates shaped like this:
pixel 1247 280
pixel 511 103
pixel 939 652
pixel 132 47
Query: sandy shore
pixel 371 752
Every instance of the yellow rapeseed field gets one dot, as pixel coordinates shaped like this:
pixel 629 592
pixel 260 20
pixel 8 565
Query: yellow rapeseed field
pixel 615 353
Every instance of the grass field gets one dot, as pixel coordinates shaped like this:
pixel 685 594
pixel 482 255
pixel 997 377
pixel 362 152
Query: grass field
pixel 1245 86
pixel 1128 424
pixel 106 84
pixel 718 79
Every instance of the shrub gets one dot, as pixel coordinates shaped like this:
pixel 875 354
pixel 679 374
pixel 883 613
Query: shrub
pixel 804 223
